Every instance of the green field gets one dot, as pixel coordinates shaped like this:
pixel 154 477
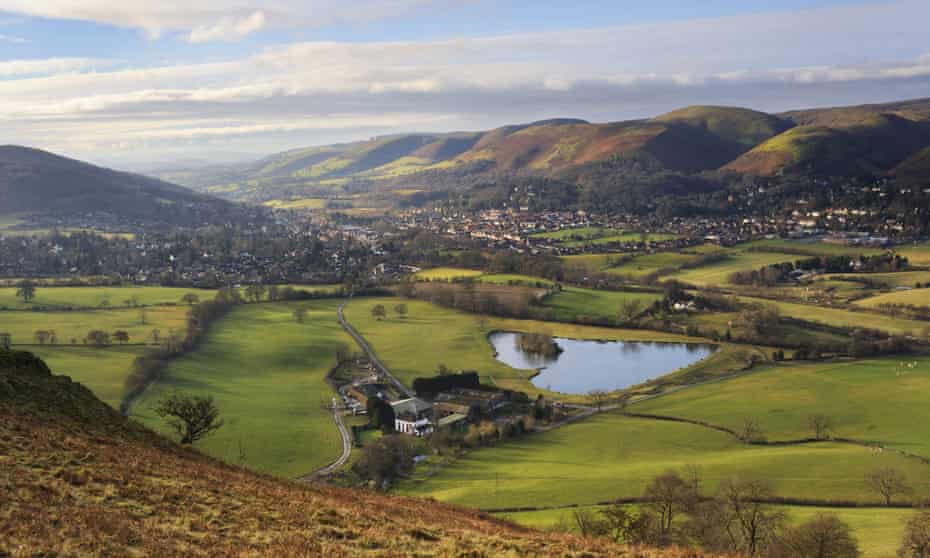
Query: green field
pixel 267 374
pixel 878 401
pixel 647 264
pixel 813 248
pixel 916 255
pixel 843 318
pixel 619 238
pixel 69 326
pixel 93 297
pixel 612 456
pixel 103 371
pixel 514 279
pixel 577 233
pixel 572 302
pixel 878 530
pixel 719 273
pixel 446 274
pixel 899 279
pixel 915 297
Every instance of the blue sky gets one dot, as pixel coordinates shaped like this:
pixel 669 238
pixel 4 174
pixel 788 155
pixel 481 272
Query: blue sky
pixel 136 83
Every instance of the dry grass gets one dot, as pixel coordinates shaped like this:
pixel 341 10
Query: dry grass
pixel 78 480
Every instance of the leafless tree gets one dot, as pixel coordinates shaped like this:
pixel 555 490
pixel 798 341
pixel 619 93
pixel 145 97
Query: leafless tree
pixel 750 523
pixel 300 314
pixel 821 425
pixel 668 495
pixel 599 397
pixel 916 541
pixel 887 482
pixel 751 431
pixel 824 536
pixel 190 299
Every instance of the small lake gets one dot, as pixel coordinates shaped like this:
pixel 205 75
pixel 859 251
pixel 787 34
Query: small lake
pixel 583 366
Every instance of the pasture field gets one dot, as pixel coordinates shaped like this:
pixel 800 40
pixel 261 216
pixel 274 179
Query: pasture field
pixel 515 279
pixel 719 273
pixel 267 374
pixel 646 264
pixel 878 401
pixel 815 248
pixel 74 325
pixel 914 297
pixel 592 262
pixel 415 346
pixel 842 318
pixel 572 301
pixel 94 297
pixel 103 371
pixel 611 456
pixel 446 274
pixel 878 530
pixel 899 279
pixel 577 233
pixel 304 203
pixel 916 255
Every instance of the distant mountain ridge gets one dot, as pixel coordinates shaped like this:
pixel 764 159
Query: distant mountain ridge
pixel 35 181
pixel 867 140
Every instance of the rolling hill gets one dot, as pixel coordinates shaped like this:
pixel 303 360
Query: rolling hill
pixel 83 481
pixel 38 182
pixel 868 140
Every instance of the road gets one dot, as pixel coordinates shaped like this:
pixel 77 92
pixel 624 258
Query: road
pixel 360 341
pixel 346 449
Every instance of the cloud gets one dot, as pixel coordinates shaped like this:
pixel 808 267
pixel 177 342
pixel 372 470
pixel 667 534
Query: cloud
pixel 228 29
pixel 214 20
pixel 319 92
pixel 16 68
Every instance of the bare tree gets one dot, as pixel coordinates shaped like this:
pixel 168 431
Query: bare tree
pixel 300 314
pixel 6 340
pixel 751 432
pixel 668 495
pixel 156 336
pixel 916 541
pixel 98 338
pixel 821 425
pixel 401 309
pixel 824 536
pixel 379 312
pixel 630 309
pixel 190 299
pixel 887 482
pixel 122 337
pixel 192 417
pixel 41 336
pixel 750 524
pixel 599 397
pixel 26 290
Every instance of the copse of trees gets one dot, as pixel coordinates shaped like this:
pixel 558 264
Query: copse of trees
pixel 445 382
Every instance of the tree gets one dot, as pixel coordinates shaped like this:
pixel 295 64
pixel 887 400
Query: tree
pixel 916 541
pixel 380 414
pixel 300 314
pixel 98 338
pixel 6 341
pixel 887 482
pixel 274 293
pixel 385 458
pixel 668 495
pixel 255 292
pixel 751 431
pixel 379 312
pixel 143 316
pixel 192 417
pixel 599 397
pixel 26 290
pixel 589 524
pixel 156 336
pixel 821 425
pixel 630 309
pixel 190 299
pixel 41 336
pixel 629 526
pixel 750 524
pixel 824 536
pixel 121 336
pixel 401 310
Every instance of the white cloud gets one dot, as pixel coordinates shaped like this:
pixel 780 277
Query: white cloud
pixel 15 68
pixel 213 20
pixel 228 29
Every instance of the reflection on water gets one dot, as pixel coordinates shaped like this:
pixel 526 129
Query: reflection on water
pixel 609 365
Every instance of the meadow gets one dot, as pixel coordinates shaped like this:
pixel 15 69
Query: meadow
pixel 914 297
pixel 647 264
pixel 839 317
pixel 613 456
pixel 719 273
pixel 71 327
pixel 103 371
pixel 878 530
pixel 879 401
pixel 899 279
pixel 446 274
pixel 95 297
pixel 267 374
pixel 918 254
pixel 572 302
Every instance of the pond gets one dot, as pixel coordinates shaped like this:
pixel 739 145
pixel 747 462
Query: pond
pixel 582 366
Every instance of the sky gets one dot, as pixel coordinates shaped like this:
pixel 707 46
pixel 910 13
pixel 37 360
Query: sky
pixel 141 84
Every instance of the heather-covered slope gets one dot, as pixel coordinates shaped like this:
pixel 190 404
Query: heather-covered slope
pixel 76 479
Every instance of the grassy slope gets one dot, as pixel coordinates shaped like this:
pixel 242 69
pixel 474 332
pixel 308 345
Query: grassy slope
pixel 613 456
pixel 81 481
pixel 92 297
pixel 879 400
pixel 102 371
pixel 572 302
pixel 842 318
pixel 68 325
pixel 917 255
pixel 916 297
pixel 719 273
pixel 267 374
pixel 446 273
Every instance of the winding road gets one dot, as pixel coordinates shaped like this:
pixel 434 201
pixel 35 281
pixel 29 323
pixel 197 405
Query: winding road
pixel 370 353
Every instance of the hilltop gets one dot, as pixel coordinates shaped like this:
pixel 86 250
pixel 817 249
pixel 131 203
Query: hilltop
pixel 81 480
pixel 38 182
pixel 863 141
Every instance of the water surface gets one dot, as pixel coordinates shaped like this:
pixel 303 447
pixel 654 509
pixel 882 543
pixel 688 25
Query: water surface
pixel 609 365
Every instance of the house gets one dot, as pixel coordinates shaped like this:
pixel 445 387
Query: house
pixel 363 392
pixel 471 402
pixel 412 416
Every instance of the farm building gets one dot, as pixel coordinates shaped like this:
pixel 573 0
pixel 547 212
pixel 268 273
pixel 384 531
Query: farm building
pixel 412 416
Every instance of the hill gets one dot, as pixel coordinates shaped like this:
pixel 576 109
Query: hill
pixel 35 181
pixel 82 481
pixel 863 141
